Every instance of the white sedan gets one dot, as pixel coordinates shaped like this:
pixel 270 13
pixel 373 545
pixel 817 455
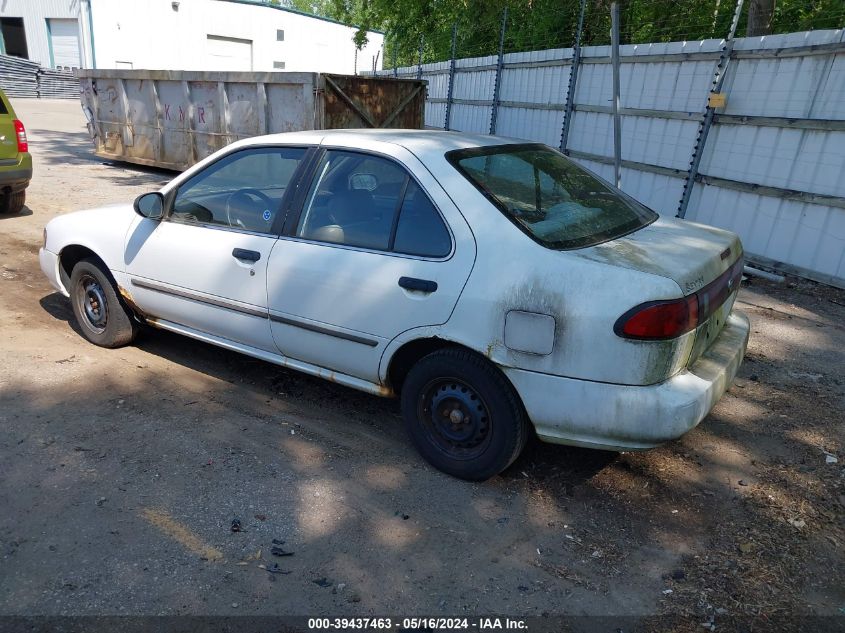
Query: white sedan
pixel 494 285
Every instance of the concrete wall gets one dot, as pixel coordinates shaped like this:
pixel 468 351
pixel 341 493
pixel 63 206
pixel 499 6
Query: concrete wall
pixel 151 34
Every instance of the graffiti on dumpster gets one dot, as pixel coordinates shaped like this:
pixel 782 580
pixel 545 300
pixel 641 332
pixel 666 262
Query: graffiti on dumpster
pixel 171 116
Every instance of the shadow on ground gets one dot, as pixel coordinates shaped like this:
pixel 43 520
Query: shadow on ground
pixel 151 451
pixel 12 216
pixel 77 148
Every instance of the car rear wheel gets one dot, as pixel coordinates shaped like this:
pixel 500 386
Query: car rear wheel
pixel 463 416
pixel 101 315
pixel 11 203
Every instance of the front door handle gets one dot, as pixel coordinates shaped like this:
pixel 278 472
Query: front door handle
pixel 246 255
pixel 423 285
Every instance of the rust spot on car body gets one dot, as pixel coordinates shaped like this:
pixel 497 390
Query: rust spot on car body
pixel 386 392
pixel 127 298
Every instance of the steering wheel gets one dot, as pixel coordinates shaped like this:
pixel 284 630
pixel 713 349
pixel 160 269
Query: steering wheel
pixel 241 209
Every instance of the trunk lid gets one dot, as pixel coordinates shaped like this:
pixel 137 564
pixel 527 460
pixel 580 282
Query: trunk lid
pixel 692 255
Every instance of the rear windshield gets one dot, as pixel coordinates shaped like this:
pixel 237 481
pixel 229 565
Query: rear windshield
pixel 559 204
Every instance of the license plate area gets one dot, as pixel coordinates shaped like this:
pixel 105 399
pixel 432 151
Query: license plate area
pixel 708 332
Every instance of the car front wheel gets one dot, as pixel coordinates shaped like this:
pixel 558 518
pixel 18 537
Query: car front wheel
pixel 462 414
pixel 101 316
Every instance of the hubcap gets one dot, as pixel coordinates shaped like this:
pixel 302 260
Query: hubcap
pixel 455 418
pixel 92 300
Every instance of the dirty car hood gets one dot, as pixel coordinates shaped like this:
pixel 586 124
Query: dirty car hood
pixel 689 253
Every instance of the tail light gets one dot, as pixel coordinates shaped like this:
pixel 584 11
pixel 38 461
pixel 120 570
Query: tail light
pixel 20 132
pixel 660 320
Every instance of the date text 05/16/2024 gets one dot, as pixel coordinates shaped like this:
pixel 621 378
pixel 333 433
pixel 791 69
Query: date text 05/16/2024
pixel 417 623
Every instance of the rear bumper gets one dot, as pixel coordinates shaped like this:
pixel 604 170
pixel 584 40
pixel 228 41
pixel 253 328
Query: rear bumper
pixel 15 177
pixel 622 417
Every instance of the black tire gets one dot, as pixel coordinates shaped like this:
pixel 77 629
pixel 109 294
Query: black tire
pixel 100 313
pixel 11 203
pixel 486 427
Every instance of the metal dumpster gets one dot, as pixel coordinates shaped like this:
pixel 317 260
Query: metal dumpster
pixel 173 119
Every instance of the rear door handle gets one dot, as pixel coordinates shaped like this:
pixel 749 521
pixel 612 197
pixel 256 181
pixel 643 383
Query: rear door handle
pixel 246 255
pixel 423 285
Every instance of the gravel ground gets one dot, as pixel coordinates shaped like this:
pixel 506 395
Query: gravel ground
pixel 121 472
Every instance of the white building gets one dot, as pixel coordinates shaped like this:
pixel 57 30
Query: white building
pixel 237 35
pixel 46 31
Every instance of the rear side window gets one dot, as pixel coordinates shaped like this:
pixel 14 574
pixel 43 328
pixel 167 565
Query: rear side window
pixel 3 109
pixel 420 230
pixel 371 202
pixel 557 202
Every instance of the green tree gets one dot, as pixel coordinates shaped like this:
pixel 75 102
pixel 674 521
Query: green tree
pixel 543 24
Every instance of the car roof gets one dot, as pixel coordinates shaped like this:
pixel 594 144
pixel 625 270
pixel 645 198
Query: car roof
pixel 420 142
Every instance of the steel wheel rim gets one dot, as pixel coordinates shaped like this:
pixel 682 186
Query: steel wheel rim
pixel 93 305
pixel 455 418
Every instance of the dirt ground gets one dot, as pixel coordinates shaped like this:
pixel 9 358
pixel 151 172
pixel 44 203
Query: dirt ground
pixel 121 472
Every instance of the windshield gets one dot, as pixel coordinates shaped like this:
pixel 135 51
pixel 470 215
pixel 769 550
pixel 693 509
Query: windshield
pixel 558 203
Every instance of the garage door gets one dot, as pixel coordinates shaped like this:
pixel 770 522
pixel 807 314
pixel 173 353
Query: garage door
pixel 229 53
pixel 64 42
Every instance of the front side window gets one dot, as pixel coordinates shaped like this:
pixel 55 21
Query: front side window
pixel 371 202
pixel 243 190
pixel 558 203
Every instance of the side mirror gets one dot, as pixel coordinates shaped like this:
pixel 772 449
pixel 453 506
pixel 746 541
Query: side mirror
pixel 150 205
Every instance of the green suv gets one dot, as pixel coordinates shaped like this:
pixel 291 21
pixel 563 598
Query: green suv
pixel 15 161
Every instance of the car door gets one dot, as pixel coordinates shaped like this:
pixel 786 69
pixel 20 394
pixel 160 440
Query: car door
pixel 205 264
pixel 376 249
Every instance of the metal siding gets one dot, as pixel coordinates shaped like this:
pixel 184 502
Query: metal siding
pixel 802 160
pixel 534 125
pixel 470 118
pixel 546 84
pixel 658 192
pixel 435 115
pixel 592 133
pixel 808 237
pixel 472 85
pixel 831 96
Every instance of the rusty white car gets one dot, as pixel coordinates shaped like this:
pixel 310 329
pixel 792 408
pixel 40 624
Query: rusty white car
pixel 493 285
